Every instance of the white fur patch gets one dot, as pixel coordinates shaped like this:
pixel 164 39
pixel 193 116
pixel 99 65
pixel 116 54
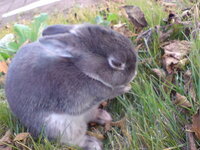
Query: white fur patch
pixel 70 129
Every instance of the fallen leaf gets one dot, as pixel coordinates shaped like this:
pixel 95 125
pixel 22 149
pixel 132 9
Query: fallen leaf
pixel 5 141
pixel 188 84
pixel 163 36
pixel 177 49
pixel 175 56
pixel 136 16
pixel 169 63
pixel 190 136
pixel 21 140
pixel 182 101
pixel 122 125
pixel 3 67
pixel 196 124
pixel 6 138
pixel 21 136
pixel 123 29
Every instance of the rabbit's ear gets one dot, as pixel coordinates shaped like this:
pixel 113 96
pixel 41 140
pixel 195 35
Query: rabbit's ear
pixel 57 29
pixel 55 46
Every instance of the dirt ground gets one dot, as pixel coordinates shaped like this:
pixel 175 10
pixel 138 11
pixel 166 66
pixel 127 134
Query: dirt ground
pixel 59 6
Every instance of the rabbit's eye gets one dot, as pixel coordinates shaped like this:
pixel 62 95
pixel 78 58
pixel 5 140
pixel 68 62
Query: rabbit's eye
pixel 116 64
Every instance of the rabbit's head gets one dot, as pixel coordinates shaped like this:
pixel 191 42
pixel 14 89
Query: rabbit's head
pixel 99 52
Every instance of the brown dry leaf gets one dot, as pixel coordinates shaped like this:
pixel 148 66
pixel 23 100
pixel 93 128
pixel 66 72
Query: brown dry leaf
pixel 196 124
pixel 163 36
pixel 175 56
pixel 123 29
pixel 182 101
pixel 169 63
pixel 188 84
pixel 122 125
pixel 136 16
pixel 160 73
pixel 21 136
pixel 190 136
pixel 177 49
pixel 3 67
pixel 21 140
pixel 5 140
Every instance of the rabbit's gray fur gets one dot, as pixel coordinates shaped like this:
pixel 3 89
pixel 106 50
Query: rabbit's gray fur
pixel 56 83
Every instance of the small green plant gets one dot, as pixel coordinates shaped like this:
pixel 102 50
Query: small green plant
pixel 107 20
pixel 22 33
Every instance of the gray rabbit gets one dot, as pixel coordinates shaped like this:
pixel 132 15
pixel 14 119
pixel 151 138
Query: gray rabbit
pixel 55 85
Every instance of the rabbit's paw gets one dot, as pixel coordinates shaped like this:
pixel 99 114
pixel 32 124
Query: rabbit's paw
pixel 102 117
pixel 127 88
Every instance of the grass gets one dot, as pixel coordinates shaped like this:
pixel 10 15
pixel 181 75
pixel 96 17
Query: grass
pixel 153 121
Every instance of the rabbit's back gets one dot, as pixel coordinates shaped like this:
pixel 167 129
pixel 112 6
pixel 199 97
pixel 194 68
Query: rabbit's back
pixel 38 80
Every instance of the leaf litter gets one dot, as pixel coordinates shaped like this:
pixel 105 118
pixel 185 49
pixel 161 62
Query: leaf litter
pixel 182 101
pixel 175 55
pixel 188 85
pixel 7 142
pixel 196 124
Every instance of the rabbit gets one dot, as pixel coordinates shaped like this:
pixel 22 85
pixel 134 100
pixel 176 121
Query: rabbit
pixel 55 84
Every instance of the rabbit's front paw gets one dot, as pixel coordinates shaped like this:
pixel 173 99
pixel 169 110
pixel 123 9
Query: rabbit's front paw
pixel 123 89
pixel 102 117
pixel 127 88
pixel 91 143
